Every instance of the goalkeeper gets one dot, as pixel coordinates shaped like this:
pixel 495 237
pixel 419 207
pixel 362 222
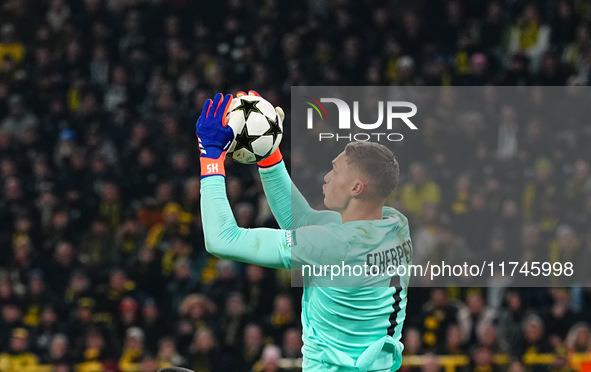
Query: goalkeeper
pixel 345 328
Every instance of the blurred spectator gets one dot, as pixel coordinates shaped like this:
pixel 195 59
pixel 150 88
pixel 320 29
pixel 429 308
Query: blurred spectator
pixel 96 245
pixel 281 319
pixel 112 293
pixel 535 342
pixel 94 351
pixel 431 364
pixel 79 286
pixel 258 289
pixel 577 188
pixel 196 312
pixel 82 321
pixel 168 355
pixel 175 223
pixel 58 351
pixel 133 349
pixel 540 195
pixel 418 192
pixel 233 321
pixel 578 339
pixel 181 284
pixel 575 51
pixel 11 320
pixel 516 366
pixel 154 324
pixel 566 247
pixel 473 317
pixel 205 353
pixel 412 340
pixel 518 71
pixel 425 236
pixel 252 346
pixel 507 138
pixel 226 282
pixel 530 35
pixel 149 364
pixel 553 72
pixel 110 206
pixel 560 361
pixel 19 119
pixel 146 272
pixel 510 320
pixel 532 243
pixel 480 71
pixel 269 360
pixel 178 250
pixel 129 241
pixel 48 330
pixel 11 49
pixel 482 360
pixel 292 344
pixel 454 344
pixel 17 356
pixel 559 318
pixel 128 316
pixel 438 315
pixel 38 296
pixel 487 337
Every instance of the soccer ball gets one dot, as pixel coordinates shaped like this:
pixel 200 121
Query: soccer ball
pixel 257 126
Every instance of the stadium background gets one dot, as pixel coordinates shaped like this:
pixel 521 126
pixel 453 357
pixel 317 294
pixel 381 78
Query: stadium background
pixel 102 260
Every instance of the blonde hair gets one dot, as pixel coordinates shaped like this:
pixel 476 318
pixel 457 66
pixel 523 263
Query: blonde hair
pixel 377 163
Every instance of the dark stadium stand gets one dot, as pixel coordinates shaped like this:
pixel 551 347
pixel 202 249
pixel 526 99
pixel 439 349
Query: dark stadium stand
pixel 102 259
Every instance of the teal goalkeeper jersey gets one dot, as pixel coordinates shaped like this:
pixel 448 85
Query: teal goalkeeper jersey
pixel 350 322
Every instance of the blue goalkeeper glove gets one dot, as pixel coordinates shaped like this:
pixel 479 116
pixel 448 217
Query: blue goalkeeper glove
pixel 214 136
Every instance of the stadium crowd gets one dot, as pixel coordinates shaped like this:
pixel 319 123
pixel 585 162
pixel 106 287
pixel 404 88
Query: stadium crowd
pixel 103 265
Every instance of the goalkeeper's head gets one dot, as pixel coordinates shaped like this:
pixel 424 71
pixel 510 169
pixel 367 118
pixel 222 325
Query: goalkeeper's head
pixel 365 172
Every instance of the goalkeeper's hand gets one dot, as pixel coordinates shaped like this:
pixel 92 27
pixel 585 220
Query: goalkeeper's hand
pixel 214 136
pixel 275 157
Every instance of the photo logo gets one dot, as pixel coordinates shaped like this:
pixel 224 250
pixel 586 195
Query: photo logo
pixel 315 104
pixel 390 110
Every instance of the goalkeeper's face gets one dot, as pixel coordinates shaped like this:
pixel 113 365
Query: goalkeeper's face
pixel 342 184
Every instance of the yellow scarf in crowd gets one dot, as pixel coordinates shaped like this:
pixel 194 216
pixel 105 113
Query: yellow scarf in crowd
pixel 528 35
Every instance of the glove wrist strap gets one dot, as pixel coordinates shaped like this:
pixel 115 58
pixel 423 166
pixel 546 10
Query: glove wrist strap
pixel 273 159
pixel 213 167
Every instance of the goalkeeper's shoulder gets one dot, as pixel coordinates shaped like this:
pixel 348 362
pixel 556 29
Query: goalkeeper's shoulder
pixel 395 214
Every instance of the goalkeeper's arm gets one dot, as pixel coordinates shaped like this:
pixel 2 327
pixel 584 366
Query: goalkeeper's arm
pixel 223 237
pixel 316 245
pixel 288 205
